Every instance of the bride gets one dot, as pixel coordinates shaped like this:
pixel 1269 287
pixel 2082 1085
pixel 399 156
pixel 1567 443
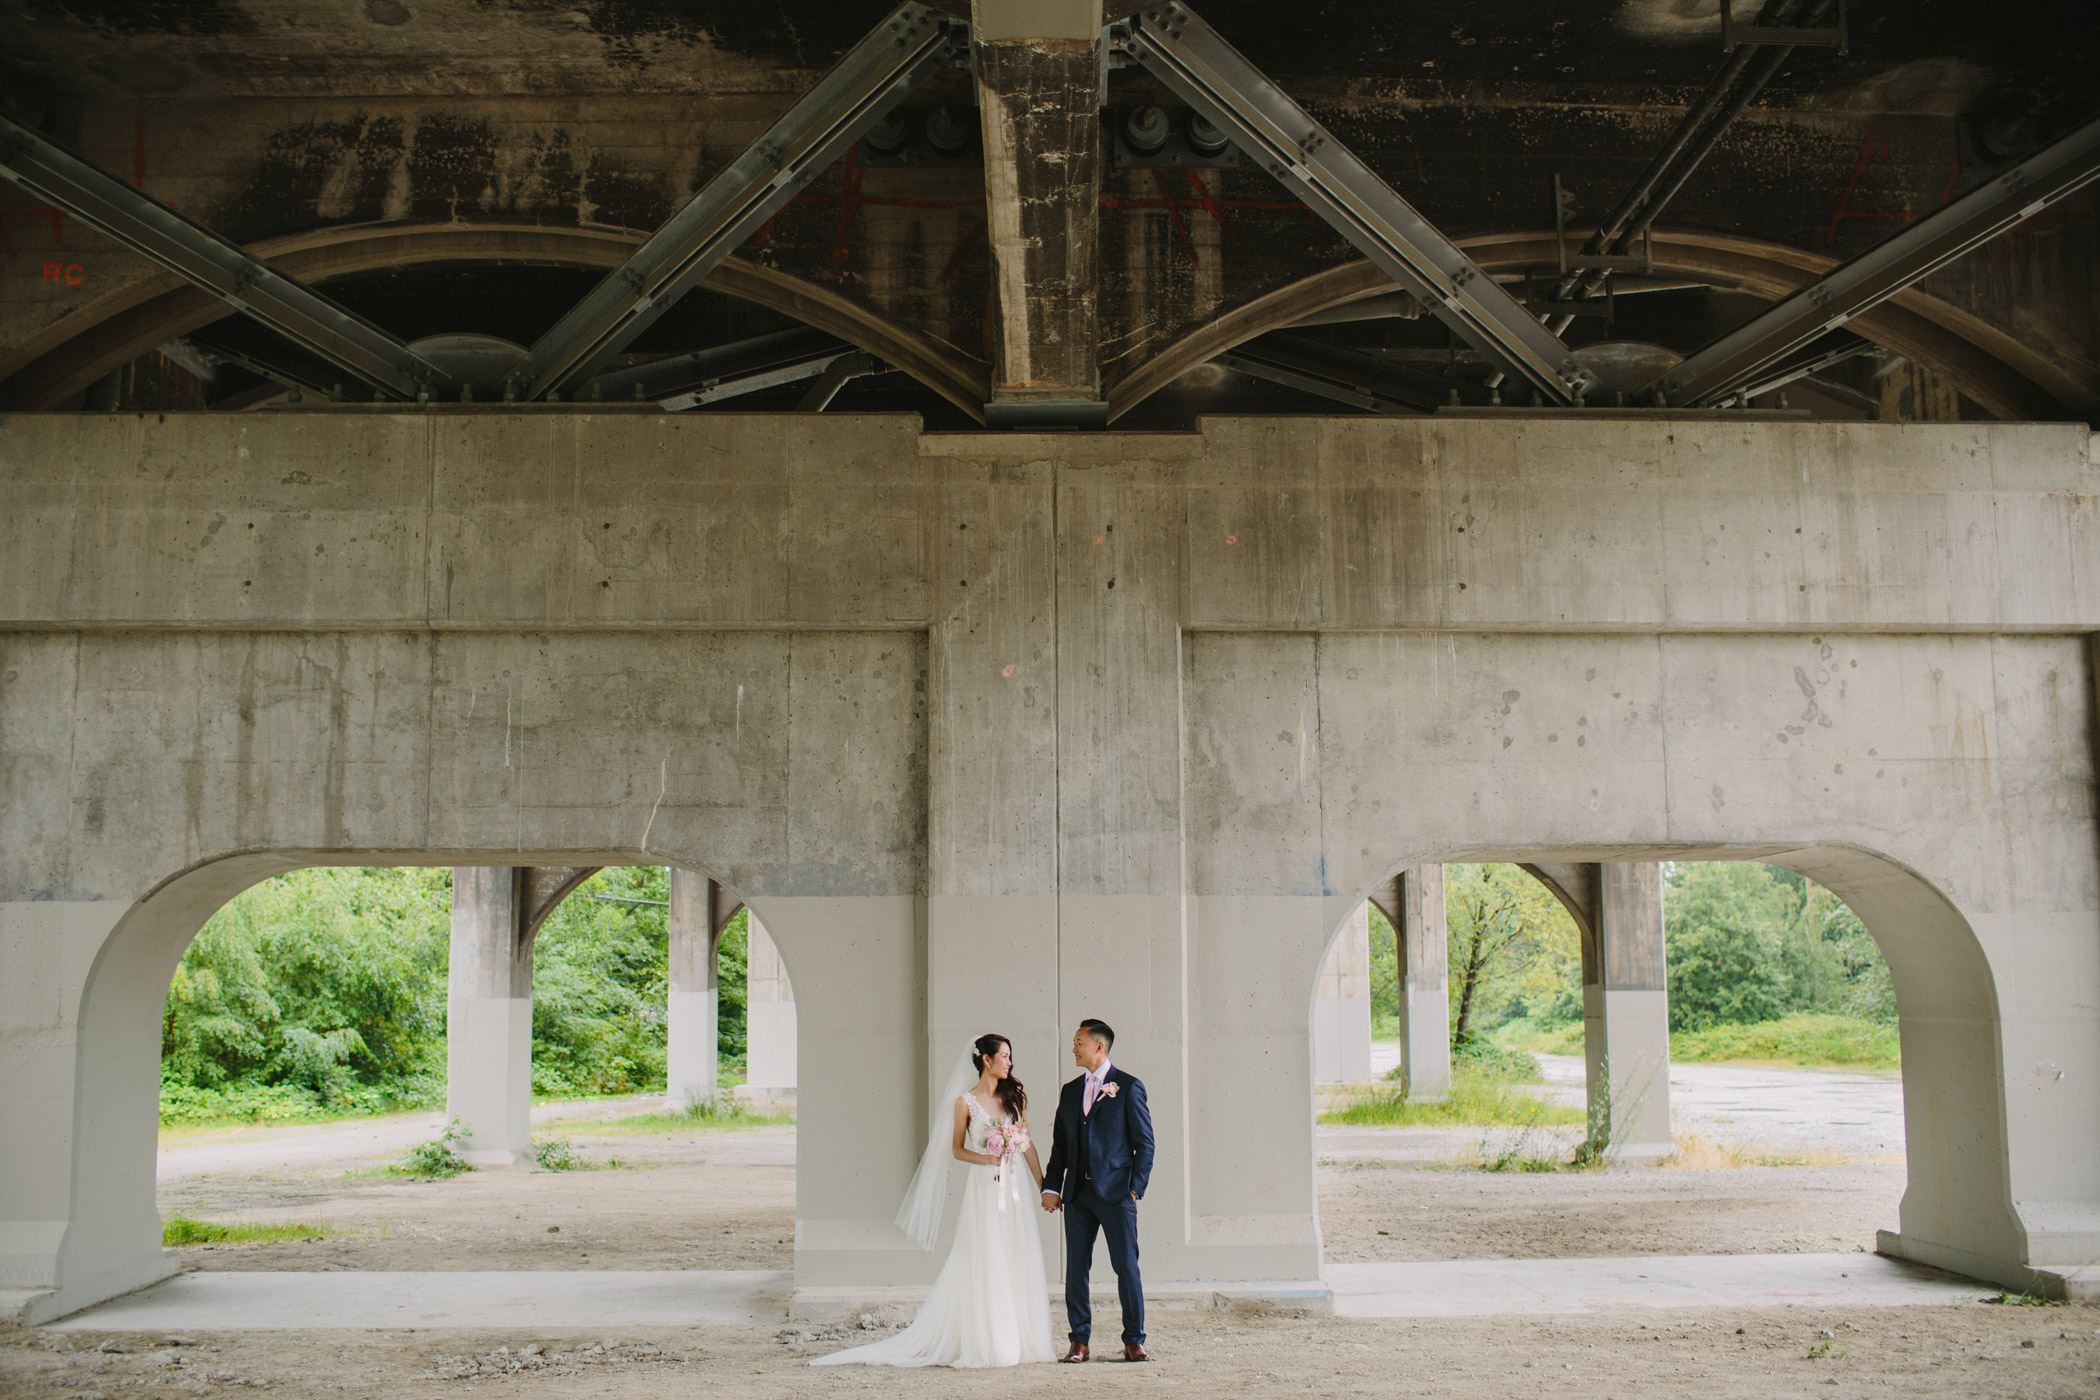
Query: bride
pixel 990 1306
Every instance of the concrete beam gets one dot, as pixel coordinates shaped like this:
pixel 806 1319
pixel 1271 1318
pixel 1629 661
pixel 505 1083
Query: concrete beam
pixel 1039 102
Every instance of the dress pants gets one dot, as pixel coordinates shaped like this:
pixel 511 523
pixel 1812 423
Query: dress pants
pixel 1086 1214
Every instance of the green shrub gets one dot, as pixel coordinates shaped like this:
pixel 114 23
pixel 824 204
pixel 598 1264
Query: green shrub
pixel 437 1158
pixel 559 1155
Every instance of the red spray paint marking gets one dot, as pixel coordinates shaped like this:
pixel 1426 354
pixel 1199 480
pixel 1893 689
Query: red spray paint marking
pixel 72 274
pixel 56 218
pixel 1181 230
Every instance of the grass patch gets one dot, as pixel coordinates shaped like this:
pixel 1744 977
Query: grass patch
pixel 1482 1096
pixel 1703 1154
pixel 1803 1038
pixel 179 1230
pixel 1811 1038
pixel 723 1113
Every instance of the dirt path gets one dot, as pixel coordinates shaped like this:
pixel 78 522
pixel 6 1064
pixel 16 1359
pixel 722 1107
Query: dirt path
pixel 1968 1351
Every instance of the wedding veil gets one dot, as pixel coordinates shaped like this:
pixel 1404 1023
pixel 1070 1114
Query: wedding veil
pixel 920 1215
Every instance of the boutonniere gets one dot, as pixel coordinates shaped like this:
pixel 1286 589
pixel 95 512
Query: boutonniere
pixel 1111 1089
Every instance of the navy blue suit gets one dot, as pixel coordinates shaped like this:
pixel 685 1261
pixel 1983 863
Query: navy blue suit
pixel 1099 1163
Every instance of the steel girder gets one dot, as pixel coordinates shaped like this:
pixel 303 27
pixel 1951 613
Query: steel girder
pixel 1206 72
pixel 1346 375
pixel 1720 370
pixel 225 269
pixel 852 96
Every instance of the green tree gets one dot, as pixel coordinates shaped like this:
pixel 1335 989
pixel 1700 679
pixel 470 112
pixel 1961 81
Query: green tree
pixel 1503 928
pixel 1725 927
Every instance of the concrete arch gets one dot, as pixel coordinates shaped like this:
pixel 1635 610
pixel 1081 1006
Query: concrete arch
pixel 109 1232
pixel 52 368
pixel 1959 1207
pixel 2008 377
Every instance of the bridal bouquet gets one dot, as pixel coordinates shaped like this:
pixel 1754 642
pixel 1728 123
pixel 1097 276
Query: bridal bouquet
pixel 1006 1141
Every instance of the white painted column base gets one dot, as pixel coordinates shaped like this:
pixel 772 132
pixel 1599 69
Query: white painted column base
pixel 1425 1043
pixel 488 1077
pixel 692 1032
pixel 1626 1042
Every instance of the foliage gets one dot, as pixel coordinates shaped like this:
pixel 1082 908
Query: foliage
pixel 1748 943
pixel 1799 1038
pixel 1503 928
pixel 318 991
pixel 179 1230
pixel 599 973
pixel 436 1158
pixel 321 993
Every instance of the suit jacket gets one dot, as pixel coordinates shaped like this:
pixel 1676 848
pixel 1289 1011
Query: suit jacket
pixel 1118 1137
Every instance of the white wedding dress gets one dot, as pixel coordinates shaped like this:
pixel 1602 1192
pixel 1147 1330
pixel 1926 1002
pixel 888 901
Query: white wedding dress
pixel 991 1304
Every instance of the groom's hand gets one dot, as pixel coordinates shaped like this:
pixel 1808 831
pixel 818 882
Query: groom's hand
pixel 1051 1201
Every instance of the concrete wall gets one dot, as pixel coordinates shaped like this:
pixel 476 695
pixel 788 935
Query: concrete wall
pixel 1040 727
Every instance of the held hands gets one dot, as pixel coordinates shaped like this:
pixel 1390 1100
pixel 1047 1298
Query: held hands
pixel 1052 1202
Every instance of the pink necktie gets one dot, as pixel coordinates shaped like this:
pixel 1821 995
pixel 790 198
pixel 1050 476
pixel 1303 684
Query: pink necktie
pixel 1090 1087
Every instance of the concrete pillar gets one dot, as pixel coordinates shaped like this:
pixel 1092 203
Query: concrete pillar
pixel 1342 1006
pixel 488 1022
pixel 769 1022
pixel 1039 101
pixel 1626 1016
pixel 693 1002
pixel 1424 999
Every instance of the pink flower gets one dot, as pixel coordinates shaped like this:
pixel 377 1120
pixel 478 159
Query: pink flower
pixel 1111 1089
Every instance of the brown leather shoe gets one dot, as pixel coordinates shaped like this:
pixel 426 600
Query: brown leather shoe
pixel 1078 1352
pixel 1134 1351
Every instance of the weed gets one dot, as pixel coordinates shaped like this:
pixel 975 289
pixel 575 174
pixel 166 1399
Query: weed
pixel 428 1161
pixel 559 1155
pixel 179 1230
pixel 2029 1299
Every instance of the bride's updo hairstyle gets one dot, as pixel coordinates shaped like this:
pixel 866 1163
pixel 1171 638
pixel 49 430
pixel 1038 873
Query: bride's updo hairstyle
pixel 1012 1097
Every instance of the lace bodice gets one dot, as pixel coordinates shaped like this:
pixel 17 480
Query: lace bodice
pixel 982 1121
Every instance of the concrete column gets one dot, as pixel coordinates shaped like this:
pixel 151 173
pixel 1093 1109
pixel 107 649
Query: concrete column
pixel 488 1023
pixel 693 1003
pixel 769 1022
pixel 1038 98
pixel 1342 1006
pixel 1626 1016
pixel 1425 1004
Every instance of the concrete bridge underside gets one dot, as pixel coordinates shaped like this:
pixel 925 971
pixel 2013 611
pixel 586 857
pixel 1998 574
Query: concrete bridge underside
pixel 1014 729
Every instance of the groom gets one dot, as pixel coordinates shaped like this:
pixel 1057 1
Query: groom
pixel 1100 1162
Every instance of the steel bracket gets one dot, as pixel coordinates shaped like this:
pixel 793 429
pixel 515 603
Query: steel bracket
pixel 1203 70
pixel 854 94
